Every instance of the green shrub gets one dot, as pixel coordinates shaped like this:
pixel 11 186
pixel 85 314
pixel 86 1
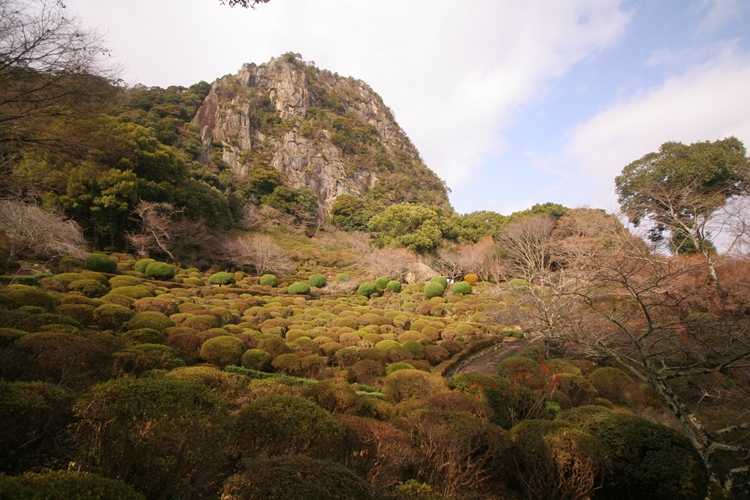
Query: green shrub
pixel 433 289
pixel 89 288
pixel 649 461
pixel 193 281
pixel 54 485
pixel 201 322
pixel 287 425
pixel 142 264
pixel 159 271
pixel 33 416
pixel 367 288
pixel 342 277
pixel 297 477
pixel 222 278
pixel 59 282
pixel 518 285
pixel 111 316
pixel 611 383
pixel 31 297
pixel 462 288
pixel 142 336
pixel 394 367
pixel 381 282
pixel 133 292
pixel 393 286
pixel 149 319
pixel 100 263
pixel 404 385
pixel 317 280
pixel 166 437
pixel 141 358
pixel 440 279
pixel 269 280
pixel 299 288
pixel 223 350
pixel 257 359
pixel 124 280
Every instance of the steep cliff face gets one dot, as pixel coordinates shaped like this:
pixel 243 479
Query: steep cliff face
pixel 331 134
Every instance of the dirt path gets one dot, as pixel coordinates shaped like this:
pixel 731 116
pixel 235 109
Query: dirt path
pixel 488 363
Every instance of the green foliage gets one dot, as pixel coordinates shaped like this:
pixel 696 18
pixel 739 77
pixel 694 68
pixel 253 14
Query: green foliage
pixel 680 184
pixel 381 282
pixel 111 316
pixel 462 288
pixel 412 226
pixel 287 425
pixel 611 383
pixel 269 280
pixel 350 213
pixel 299 203
pixel 142 336
pixel 299 287
pixel 20 297
pixel 404 385
pixel 393 286
pixel 433 289
pixel 222 278
pixel 142 264
pixel 342 277
pixel 65 484
pixel 296 477
pixel 89 288
pixel 164 436
pixel 141 358
pixel 149 319
pixel 100 263
pixel 223 351
pixel 34 415
pixel 367 288
pixel 317 280
pixel 159 271
pixel 649 460
pixel 257 359
pixel 518 285
pixel 440 279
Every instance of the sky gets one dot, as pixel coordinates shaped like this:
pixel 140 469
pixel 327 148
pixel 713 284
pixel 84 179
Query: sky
pixel 510 102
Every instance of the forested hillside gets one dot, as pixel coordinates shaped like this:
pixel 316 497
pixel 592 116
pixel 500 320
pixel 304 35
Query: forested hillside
pixel 255 288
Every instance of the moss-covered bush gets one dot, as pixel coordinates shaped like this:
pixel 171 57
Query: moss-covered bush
pixel 222 278
pixel 141 358
pixel 611 383
pixel 223 350
pixel 201 322
pixel 149 319
pixel 160 271
pixel 100 263
pixel 299 287
pixel 257 359
pixel 269 280
pixel 111 316
pixel 317 280
pixel 142 264
pixel 404 385
pixel 133 292
pixel 393 286
pixel 367 289
pixel 381 282
pixel 142 336
pixel 27 296
pixel 155 304
pixel 89 288
pixel 462 288
pixel 433 289
pixel 440 279
pixel 342 277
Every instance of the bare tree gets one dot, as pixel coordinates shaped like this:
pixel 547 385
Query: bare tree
pixel 50 66
pixel 28 228
pixel 260 252
pixel 395 263
pixel 528 245
pixel 167 230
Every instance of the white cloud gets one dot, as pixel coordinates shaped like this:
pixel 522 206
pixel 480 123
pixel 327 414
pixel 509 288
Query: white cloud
pixel 705 103
pixel 718 12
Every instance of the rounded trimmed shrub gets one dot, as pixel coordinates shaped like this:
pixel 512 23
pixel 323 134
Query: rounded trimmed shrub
pixel 518 285
pixel 381 282
pixel 367 288
pixel 111 316
pixel 257 359
pixel 342 277
pixel 471 278
pixel 317 280
pixel 462 288
pixel 440 279
pixel 142 336
pixel 149 319
pixel 142 264
pixel 433 289
pixel 393 286
pixel 299 287
pixel 269 280
pixel 134 292
pixel 100 263
pixel 222 278
pixel 223 350
pixel 159 271
pixel 20 297
pixel 89 288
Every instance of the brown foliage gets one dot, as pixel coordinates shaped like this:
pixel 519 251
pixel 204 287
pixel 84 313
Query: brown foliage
pixel 260 252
